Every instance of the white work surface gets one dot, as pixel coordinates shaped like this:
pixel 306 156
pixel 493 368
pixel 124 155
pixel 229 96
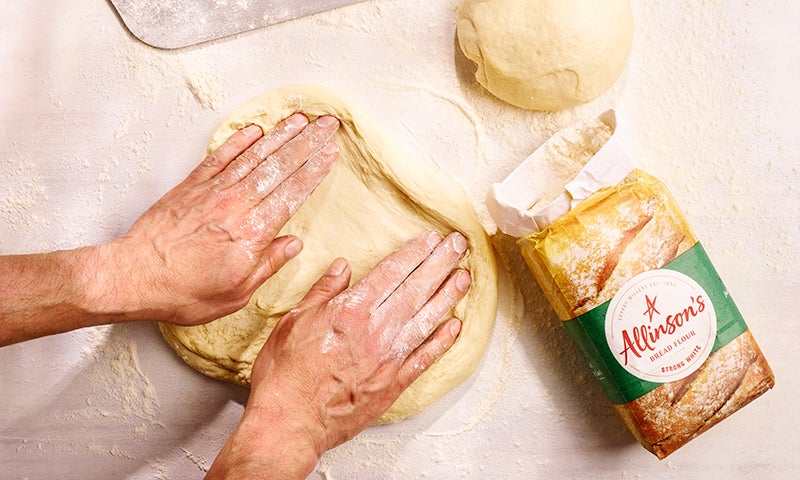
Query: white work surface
pixel 95 126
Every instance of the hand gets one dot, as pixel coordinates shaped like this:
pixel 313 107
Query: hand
pixel 196 255
pixel 201 251
pixel 340 359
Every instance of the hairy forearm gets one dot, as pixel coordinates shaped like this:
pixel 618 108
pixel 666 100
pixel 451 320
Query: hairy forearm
pixel 48 293
pixel 41 294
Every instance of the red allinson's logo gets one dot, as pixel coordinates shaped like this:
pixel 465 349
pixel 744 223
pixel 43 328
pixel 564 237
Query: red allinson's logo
pixel 661 326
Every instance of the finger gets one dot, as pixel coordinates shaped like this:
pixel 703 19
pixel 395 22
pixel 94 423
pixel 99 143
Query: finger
pixel 216 161
pixel 275 256
pixel 426 354
pixel 282 203
pixel 332 283
pixel 377 285
pixel 417 289
pixel 415 331
pixel 281 164
pixel 268 144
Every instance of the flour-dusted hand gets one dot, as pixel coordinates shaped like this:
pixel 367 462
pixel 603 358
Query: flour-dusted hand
pixel 348 353
pixel 197 254
pixel 202 249
pixel 340 359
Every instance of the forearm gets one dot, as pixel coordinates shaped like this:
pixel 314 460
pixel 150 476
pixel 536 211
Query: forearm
pixel 48 293
pixel 40 294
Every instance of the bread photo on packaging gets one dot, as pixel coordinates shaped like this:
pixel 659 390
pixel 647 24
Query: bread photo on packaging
pixel 635 288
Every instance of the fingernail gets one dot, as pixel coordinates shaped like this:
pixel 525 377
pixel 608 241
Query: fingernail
pixel 337 267
pixel 459 242
pixel 327 121
pixel 298 120
pixel 330 148
pixel 251 130
pixel 455 328
pixel 463 280
pixel 293 248
pixel 432 239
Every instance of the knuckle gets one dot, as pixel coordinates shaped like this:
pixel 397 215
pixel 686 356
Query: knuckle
pixel 263 147
pixel 283 156
pixel 249 158
pixel 348 306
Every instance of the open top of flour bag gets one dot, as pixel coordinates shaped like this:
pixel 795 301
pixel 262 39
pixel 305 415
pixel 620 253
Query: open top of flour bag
pixel 574 163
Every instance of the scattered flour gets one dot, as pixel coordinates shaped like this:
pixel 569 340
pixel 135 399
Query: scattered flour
pixel 120 390
pixel 198 460
pixel 679 82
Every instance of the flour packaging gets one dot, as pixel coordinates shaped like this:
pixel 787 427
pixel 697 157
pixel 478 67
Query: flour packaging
pixel 634 287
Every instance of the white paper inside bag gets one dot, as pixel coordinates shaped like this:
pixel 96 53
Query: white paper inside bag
pixel 564 171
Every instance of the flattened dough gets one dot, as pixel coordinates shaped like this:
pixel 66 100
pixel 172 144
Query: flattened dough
pixel 376 198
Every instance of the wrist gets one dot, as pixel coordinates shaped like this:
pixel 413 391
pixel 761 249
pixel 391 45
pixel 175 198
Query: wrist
pixel 267 444
pixel 109 291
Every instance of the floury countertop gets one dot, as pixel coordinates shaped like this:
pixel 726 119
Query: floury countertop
pixel 95 126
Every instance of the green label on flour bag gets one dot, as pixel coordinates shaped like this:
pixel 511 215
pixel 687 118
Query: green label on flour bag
pixel 660 327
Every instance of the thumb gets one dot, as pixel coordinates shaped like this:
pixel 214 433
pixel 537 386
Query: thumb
pixel 275 256
pixel 331 284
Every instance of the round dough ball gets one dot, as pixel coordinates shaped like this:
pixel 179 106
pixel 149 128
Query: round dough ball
pixel 375 198
pixel 546 54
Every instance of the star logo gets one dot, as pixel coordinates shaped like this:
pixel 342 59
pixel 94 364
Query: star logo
pixel 651 307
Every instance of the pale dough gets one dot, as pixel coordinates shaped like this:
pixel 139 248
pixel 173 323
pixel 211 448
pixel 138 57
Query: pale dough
pixel 376 198
pixel 546 54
